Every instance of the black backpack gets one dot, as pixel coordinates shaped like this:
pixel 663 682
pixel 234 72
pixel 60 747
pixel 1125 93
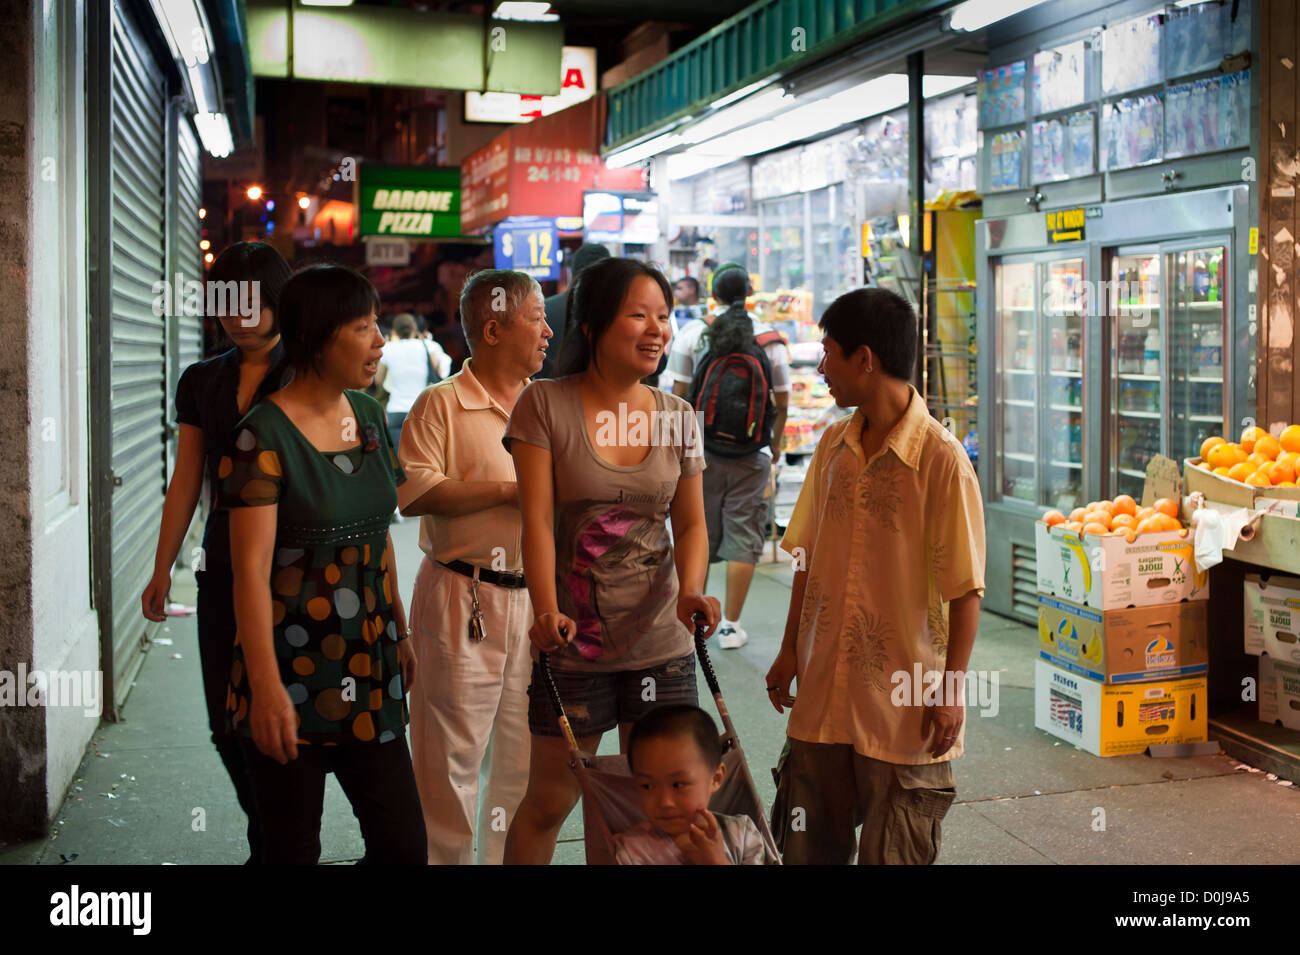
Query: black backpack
pixel 734 392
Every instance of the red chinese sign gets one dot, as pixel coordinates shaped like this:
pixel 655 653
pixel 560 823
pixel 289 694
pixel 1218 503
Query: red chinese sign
pixel 541 169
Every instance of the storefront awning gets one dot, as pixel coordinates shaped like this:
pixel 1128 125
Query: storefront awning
pixel 765 40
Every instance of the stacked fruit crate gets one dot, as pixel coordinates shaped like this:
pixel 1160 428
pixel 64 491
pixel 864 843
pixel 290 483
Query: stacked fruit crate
pixel 1123 652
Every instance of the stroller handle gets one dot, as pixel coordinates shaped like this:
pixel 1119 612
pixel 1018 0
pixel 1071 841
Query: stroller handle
pixel 702 653
pixel 544 666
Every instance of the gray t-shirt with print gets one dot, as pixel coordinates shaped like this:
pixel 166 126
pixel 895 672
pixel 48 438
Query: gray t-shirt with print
pixel 614 571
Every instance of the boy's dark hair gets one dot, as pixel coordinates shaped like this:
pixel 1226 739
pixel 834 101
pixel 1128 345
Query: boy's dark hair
pixel 731 284
pixel 879 319
pixel 677 719
pixel 587 254
pixel 690 280
pixel 314 304
pixel 254 262
pixel 595 300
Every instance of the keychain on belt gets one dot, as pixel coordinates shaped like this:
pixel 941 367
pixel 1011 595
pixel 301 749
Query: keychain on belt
pixel 476 631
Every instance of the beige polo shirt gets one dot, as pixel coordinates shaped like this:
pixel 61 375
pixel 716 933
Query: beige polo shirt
pixel 454 430
pixel 887 544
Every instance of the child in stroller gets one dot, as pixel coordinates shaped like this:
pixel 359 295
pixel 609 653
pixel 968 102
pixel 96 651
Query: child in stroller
pixel 675 755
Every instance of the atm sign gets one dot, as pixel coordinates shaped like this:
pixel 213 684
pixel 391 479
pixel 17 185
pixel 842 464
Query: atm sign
pixel 1065 225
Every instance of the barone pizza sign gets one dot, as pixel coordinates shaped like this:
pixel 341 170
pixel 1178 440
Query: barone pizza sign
pixel 415 201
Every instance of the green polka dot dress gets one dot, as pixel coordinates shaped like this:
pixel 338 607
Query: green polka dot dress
pixel 331 587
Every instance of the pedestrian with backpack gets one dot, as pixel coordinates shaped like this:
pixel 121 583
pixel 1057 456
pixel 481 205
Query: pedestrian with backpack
pixel 735 372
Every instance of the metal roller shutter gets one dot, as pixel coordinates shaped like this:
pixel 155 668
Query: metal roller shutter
pixel 185 245
pixel 138 338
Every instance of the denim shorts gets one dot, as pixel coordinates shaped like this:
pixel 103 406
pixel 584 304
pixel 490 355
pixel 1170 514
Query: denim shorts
pixel 596 702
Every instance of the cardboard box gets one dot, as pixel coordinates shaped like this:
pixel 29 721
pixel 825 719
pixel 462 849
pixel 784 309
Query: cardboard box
pixel 1224 490
pixel 1272 616
pixel 1164 642
pixel 1108 573
pixel 1115 720
pixel 1279 692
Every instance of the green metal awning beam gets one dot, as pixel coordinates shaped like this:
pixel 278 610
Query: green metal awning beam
pixel 767 38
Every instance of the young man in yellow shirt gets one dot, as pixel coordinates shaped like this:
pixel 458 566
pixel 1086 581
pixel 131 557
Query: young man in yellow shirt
pixel 888 543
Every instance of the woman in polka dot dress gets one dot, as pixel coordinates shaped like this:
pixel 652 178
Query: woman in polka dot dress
pixel 322 661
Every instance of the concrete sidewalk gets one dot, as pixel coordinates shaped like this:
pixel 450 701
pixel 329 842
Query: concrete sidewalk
pixel 1022 796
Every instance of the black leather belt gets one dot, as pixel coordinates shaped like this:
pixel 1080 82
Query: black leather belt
pixel 511 579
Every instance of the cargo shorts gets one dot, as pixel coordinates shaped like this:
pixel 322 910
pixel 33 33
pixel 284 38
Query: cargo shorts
pixel 826 790
pixel 736 502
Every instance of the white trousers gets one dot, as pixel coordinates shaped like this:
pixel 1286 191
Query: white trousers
pixel 469 713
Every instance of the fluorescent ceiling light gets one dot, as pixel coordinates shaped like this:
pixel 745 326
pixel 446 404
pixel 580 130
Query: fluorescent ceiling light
pixel 690 163
pixel 742 114
pixel 201 104
pixel 742 92
pixel 327 3
pixel 214 130
pixel 635 154
pixel 524 10
pixel 187 30
pixel 977 14
pixel 879 95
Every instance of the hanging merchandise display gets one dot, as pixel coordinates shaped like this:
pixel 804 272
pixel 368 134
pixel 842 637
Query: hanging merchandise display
pixel 1058 80
pixel 1195 38
pixel 1130 55
pixel 1133 132
pixel 1081 143
pixel 1001 95
pixel 1007 160
pixel 1049 151
pixel 1208 115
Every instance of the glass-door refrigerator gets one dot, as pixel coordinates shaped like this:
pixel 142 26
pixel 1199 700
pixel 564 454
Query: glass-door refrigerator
pixel 1041 382
pixel 1169 380
pixel 1099 353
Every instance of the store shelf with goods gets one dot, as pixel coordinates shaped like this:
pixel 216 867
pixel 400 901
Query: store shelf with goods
pixel 1018 456
pixel 1074 408
pixel 1130 472
pixel 1155 415
pixel 1072 465
pixel 1017 402
pixel 1137 377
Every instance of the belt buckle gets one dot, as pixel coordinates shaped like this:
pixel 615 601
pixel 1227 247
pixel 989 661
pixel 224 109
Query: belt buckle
pixel 511 578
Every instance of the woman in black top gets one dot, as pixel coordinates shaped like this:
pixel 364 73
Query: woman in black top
pixel 211 397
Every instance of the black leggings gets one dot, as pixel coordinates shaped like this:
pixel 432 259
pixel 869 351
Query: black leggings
pixel 216 619
pixel 377 779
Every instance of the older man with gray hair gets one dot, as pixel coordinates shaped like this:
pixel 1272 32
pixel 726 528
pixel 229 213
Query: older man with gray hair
pixel 470 613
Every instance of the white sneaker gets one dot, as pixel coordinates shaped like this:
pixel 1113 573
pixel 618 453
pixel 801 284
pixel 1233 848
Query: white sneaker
pixel 731 636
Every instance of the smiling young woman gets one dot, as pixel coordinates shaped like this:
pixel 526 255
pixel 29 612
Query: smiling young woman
pixel 614 597
pixel 322 664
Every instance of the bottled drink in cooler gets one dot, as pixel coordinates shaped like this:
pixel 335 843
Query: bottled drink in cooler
pixel 1151 354
pixel 1200 278
pixel 1211 357
pixel 1213 291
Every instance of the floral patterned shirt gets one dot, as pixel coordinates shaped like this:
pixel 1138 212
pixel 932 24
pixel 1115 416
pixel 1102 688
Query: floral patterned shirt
pixel 887 544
